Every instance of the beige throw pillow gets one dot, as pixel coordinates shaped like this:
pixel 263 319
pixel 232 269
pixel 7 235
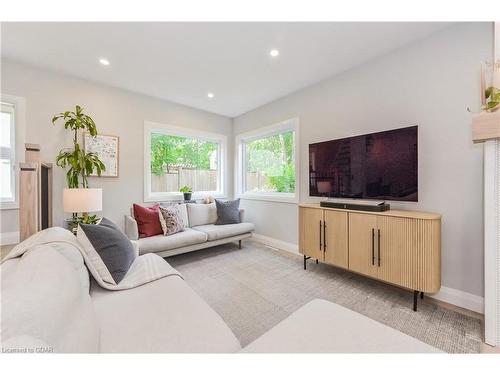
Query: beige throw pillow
pixel 170 220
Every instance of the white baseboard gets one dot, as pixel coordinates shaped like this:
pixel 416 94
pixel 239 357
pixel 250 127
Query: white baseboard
pixel 9 238
pixel 459 298
pixel 449 295
pixel 278 244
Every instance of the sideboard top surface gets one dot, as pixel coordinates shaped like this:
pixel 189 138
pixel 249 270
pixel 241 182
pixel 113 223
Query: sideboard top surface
pixel 397 213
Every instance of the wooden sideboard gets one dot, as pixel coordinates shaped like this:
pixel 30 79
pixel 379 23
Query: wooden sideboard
pixel 402 248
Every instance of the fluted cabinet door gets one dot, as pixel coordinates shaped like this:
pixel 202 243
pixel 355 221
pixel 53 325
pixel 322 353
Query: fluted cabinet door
pixel 311 232
pixel 396 252
pixel 409 252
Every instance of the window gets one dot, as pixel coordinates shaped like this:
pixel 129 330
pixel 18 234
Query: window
pixel 175 157
pixel 267 163
pixel 7 154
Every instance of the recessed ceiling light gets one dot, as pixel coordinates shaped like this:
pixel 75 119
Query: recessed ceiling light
pixel 274 53
pixel 104 61
pixel 211 95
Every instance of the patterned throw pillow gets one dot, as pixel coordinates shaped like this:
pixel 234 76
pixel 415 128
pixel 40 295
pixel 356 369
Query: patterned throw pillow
pixel 170 220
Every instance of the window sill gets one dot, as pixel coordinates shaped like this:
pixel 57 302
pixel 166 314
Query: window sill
pixel 9 206
pixel 281 198
pixel 176 197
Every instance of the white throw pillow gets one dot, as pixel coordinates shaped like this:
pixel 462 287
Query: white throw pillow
pixel 201 214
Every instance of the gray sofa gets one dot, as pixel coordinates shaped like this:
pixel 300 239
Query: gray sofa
pixel 200 232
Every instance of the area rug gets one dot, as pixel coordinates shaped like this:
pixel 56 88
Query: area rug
pixel 255 288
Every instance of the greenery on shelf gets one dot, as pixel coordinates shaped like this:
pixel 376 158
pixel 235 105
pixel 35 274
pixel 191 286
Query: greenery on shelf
pixel 79 163
pixel 492 95
pixel 87 219
pixel 186 189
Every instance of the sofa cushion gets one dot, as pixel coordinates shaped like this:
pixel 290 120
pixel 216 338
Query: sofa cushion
pixel 201 214
pixel 217 232
pixel 148 220
pixel 161 242
pixel 164 316
pixel 228 212
pixel 325 327
pixel 107 242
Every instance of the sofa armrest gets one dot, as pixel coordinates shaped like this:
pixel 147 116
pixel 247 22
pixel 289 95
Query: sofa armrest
pixel 135 244
pixel 131 228
pixel 242 215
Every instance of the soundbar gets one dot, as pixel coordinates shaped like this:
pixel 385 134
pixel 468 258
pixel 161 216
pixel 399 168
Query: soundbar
pixel 378 207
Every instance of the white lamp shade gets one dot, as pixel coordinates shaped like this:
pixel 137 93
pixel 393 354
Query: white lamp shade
pixel 82 200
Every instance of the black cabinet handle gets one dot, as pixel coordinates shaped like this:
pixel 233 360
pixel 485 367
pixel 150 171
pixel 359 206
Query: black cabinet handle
pixel 378 240
pixel 324 236
pixel 373 246
pixel 320 225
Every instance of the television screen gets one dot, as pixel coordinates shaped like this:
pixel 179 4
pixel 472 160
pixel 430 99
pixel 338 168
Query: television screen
pixel 382 166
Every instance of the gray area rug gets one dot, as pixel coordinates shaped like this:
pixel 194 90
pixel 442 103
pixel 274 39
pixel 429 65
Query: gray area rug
pixel 255 288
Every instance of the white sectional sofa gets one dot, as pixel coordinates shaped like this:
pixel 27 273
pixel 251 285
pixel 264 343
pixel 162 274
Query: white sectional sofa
pixel 201 232
pixel 50 303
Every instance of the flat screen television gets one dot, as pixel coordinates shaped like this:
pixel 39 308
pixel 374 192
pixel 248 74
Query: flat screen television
pixel 381 166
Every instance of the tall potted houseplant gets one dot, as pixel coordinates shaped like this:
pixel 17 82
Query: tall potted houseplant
pixel 78 163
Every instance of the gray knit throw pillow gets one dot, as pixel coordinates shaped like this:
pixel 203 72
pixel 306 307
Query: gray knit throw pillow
pixel 228 212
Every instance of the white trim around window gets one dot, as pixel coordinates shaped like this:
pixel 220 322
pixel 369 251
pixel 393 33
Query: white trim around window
pixel 154 127
pixel 241 139
pixel 17 107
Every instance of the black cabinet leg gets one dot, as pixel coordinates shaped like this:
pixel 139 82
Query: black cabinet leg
pixel 421 295
pixel 316 261
pixel 305 260
pixel 415 300
pixel 239 244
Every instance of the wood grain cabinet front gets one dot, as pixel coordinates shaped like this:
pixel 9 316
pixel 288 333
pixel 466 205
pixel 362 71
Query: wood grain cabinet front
pixel 311 225
pixel 362 246
pixel 399 247
pixel 335 238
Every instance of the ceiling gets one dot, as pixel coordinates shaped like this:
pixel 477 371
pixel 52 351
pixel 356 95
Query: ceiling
pixel 183 62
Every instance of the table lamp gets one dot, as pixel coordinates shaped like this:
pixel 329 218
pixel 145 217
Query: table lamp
pixel 83 201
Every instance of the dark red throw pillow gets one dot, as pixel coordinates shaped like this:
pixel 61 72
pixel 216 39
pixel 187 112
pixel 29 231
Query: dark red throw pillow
pixel 148 220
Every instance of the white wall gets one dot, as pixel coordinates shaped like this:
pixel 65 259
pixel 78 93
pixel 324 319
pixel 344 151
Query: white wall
pixel 429 83
pixel 115 111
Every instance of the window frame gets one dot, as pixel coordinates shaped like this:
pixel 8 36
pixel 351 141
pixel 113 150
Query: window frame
pixel 17 140
pixel 263 132
pixel 154 127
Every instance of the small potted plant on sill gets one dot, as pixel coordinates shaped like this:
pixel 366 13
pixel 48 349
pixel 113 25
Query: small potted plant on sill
pixel 187 191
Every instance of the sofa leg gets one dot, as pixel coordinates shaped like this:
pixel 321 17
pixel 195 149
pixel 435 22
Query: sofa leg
pixel 239 244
